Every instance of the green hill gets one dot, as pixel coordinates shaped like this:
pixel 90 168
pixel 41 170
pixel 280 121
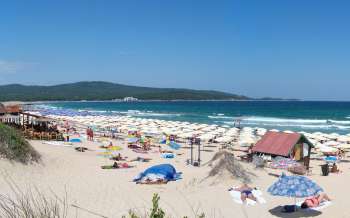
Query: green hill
pixel 106 91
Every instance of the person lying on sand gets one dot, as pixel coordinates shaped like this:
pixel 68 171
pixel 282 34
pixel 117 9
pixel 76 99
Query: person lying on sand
pixel 246 192
pixel 118 157
pixel 315 201
pixel 81 149
pixel 141 159
pixel 150 182
pixel 117 166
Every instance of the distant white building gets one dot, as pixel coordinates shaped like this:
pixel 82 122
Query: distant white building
pixel 128 99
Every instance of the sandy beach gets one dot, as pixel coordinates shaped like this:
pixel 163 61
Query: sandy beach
pixel 111 193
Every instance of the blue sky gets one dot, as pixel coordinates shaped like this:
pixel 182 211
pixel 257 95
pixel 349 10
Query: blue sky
pixel 278 48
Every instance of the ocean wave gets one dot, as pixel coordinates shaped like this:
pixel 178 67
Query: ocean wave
pixel 295 121
pixel 290 125
pixel 220 117
pixel 147 113
pixel 346 122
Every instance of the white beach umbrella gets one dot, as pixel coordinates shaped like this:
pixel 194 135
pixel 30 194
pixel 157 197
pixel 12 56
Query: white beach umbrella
pixel 343 139
pixel 331 143
pixel 327 149
pixel 343 146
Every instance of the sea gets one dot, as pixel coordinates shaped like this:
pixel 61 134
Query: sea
pixel 308 116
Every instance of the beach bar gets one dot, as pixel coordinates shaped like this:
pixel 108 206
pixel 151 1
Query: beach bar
pixel 291 145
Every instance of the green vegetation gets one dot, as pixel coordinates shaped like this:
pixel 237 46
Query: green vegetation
pixel 106 91
pixel 156 211
pixel 15 147
pixel 31 203
pixel 35 204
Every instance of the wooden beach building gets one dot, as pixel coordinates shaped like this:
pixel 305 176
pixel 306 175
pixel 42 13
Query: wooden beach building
pixel 33 126
pixel 290 145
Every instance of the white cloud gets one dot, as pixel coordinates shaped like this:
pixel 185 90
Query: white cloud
pixel 11 67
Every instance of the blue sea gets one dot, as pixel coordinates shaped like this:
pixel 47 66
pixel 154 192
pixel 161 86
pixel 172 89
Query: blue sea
pixel 309 116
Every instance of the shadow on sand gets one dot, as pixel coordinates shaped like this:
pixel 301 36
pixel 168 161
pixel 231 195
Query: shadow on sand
pixel 277 211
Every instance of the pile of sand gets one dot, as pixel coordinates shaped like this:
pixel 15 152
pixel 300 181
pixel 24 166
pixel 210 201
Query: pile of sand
pixel 224 163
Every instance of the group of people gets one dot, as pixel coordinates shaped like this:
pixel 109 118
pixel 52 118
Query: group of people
pixel 310 202
pixel 90 134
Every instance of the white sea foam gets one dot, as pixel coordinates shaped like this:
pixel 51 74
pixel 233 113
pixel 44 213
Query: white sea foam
pixel 291 125
pixel 220 117
pixel 283 120
pixel 346 122
pixel 138 113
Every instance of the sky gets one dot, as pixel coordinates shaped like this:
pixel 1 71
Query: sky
pixel 276 48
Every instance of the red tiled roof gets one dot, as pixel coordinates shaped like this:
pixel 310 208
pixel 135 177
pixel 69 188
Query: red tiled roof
pixel 277 143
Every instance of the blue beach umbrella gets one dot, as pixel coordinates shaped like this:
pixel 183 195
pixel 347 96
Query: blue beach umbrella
pixel 294 186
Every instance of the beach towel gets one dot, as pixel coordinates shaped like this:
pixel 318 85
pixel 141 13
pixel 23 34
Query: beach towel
pixel 168 155
pixel 323 205
pixel 236 196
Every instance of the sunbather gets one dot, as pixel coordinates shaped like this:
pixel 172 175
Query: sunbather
pixel 315 201
pixel 116 166
pixel 246 192
pixel 141 159
pixel 118 157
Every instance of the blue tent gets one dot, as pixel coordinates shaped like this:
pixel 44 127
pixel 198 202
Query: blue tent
pixel 163 171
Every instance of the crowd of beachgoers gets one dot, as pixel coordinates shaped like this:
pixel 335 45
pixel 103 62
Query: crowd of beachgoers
pixel 208 133
pixel 114 153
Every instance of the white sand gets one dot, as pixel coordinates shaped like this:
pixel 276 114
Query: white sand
pixel 112 193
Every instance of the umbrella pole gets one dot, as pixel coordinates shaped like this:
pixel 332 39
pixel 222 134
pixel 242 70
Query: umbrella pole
pixel 295 204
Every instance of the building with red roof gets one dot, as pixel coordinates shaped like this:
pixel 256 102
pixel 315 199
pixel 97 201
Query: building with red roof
pixel 291 145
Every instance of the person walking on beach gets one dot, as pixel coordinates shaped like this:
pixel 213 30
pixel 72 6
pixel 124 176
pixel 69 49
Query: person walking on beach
pixel 88 133
pixel 91 135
